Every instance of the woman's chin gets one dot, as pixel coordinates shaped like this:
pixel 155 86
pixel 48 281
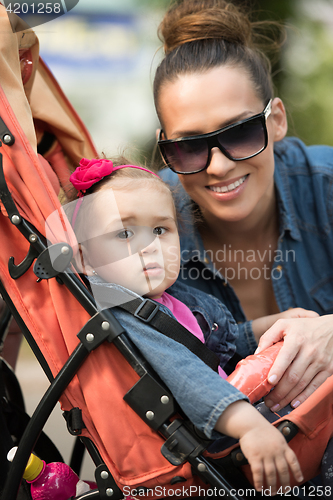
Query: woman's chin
pixel 228 215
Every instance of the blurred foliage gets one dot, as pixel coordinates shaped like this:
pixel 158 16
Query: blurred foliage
pixel 307 81
pixel 303 73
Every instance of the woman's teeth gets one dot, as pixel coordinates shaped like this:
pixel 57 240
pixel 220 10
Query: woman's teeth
pixel 230 187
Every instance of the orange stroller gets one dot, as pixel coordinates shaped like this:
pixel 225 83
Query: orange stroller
pixel 128 420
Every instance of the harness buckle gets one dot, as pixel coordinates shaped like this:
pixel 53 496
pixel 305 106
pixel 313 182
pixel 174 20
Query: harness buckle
pixel 150 310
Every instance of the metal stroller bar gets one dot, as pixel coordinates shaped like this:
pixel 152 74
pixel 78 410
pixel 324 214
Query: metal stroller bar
pixel 104 327
pixel 31 341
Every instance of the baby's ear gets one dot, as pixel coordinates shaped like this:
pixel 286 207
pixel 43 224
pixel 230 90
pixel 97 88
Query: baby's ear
pixel 82 261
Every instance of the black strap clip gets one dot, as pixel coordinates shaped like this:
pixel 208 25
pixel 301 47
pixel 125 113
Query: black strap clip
pixel 146 310
pixel 74 421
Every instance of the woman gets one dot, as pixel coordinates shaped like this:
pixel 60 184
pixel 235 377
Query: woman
pixel 257 207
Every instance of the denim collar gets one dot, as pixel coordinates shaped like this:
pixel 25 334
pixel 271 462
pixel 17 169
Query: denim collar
pixel 287 217
pixel 192 246
pixel 108 295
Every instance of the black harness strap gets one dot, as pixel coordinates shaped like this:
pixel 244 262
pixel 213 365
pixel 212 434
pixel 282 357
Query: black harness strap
pixel 148 311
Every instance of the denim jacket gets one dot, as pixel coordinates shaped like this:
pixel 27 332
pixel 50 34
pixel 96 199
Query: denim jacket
pixel 302 272
pixel 201 393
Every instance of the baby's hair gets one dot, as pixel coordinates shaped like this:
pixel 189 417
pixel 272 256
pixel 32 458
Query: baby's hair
pixel 126 174
pixel 124 178
pixel 131 173
pixel 199 35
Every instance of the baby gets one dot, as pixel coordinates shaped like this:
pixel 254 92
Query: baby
pixel 126 226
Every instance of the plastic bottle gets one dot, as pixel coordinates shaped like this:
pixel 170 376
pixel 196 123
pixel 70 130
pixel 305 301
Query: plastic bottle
pixel 54 481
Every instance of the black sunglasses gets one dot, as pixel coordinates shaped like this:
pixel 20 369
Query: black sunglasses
pixel 240 141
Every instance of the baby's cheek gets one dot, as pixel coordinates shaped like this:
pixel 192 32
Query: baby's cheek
pixel 172 272
pixel 121 271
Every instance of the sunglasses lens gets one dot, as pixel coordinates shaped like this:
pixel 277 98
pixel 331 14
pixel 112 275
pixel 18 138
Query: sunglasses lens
pixel 186 156
pixel 238 142
pixel 244 140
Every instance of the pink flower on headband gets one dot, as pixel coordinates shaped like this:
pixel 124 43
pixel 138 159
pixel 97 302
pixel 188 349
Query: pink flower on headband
pixel 89 172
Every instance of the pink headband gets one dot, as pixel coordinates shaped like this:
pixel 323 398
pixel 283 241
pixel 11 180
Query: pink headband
pixel 89 172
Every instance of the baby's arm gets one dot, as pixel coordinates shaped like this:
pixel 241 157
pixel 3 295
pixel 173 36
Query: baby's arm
pixel 262 444
pixel 260 325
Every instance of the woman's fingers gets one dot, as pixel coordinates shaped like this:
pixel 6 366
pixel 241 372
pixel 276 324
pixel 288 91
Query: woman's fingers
pixel 304 361
pixel 308 383
pixel 285 357
pixel 296 378
pixel 273 335
pixel 297 399
pixel 304 375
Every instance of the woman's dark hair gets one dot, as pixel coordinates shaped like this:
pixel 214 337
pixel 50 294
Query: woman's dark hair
pixel 198 35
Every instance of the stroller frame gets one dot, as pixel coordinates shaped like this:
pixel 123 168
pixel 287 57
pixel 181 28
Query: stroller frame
pixel 149 398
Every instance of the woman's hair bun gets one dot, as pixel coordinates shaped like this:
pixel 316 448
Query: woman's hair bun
pixel 191 20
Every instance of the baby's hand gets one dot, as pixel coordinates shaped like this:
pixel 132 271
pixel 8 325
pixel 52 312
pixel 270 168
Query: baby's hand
pixel 260 325
pixel 263 445
pixel 269 457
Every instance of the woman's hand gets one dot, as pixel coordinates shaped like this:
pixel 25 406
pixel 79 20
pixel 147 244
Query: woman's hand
pixel 261 325
pixel 304 362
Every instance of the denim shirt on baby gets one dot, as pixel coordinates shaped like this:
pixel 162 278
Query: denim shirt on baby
pixel 201 393
pixel 302 270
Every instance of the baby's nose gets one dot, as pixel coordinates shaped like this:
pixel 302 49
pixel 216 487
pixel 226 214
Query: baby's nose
pixel 147 241
pixel 150 247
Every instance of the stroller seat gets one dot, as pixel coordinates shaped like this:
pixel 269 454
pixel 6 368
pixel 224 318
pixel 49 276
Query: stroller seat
pixel 107 390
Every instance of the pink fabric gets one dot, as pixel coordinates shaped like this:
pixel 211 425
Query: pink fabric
pixel 186 318
pixel 91 171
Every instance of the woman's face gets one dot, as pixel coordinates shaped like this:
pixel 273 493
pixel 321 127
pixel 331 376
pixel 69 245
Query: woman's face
pixel 200 103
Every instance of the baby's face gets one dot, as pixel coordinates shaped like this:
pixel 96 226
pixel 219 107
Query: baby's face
pixel 132 238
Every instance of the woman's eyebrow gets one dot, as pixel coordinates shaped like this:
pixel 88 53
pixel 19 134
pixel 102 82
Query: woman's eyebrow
pixel 188 133
pixel 242 116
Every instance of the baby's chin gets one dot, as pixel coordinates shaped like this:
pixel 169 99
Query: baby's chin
pixel 151 288
pixel 157 291
pixel 146 286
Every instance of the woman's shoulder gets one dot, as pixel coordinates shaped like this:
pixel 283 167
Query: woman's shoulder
pixel 305 173
pixel 298 158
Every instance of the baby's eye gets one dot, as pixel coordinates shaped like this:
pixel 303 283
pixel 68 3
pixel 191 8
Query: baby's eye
pixel 125 234
pixel 159 230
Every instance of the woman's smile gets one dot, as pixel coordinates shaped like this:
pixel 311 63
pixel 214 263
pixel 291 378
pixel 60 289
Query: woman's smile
pixel 228 190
